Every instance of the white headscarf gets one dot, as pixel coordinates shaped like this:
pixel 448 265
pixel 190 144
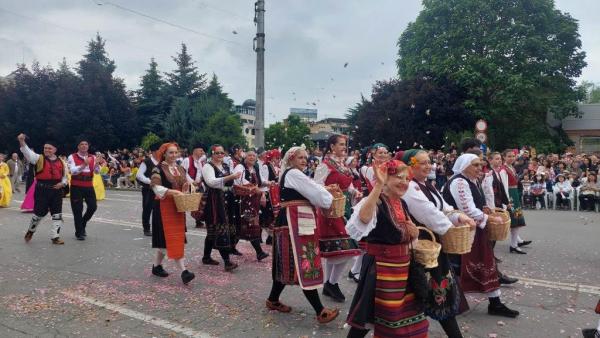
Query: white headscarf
pixel 285 163
pixel 462 162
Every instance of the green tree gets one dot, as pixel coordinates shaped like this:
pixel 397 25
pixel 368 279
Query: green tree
pixel 185 81
pixel 151 104
pixel 410 113
pixel 293 132
pixel 517 59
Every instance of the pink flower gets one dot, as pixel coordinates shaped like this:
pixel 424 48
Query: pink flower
pixel 305 265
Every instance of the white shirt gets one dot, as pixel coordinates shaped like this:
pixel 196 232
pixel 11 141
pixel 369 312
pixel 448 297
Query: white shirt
pixel 140 176
pixel 488 186
pixel 32 158
pixel 427 213
pixel 198 164
pixel 315 193
pixel 75 169
pixel 208 173
pixel 461 192
pixel 161 191
pixel 263 171
pixel 564 186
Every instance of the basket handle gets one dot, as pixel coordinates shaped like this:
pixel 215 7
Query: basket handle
pixel 429 232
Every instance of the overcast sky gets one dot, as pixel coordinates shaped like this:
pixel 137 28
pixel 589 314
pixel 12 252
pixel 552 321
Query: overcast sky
pixel 307 42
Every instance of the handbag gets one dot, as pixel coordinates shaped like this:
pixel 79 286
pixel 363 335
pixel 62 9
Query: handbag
pixel 417 280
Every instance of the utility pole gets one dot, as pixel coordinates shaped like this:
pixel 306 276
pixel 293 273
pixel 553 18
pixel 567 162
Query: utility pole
pixel 259 48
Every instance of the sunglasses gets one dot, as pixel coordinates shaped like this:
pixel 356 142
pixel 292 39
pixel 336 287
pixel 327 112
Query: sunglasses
pixel 219 153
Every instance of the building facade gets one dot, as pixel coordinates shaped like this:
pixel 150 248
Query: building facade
pixel 247 113
pixel 305 115
pixel 584 129
pixel 330 125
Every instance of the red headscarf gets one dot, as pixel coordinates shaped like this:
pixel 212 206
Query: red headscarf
pixel 163 149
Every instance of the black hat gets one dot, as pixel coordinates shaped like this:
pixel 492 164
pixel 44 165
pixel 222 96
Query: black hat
pixel 198 146
pixel 155 146
pixel 51 142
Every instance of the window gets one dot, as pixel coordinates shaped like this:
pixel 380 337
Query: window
pixel 589 144
pixel 248 131
pixel 253 131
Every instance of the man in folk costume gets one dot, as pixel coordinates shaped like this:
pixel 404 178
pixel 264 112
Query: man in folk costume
pixel 296 254
pixel 193 166
pixel 428 208
pixel 143 176
pixel 336 246
pixel 51 176
pixel 477 268
pixel 82 166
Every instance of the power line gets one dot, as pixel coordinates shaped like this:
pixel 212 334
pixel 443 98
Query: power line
pixel 168 23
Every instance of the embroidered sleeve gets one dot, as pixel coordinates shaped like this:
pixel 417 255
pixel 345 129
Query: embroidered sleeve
pixel 355 228
pixel 488 190
pixel 321 174
pixel 208 173
pixel 459 188
pixel 316 194
pixel 424 211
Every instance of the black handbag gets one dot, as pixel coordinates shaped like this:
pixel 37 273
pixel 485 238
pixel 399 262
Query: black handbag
pixel 417 280
pixel 66 190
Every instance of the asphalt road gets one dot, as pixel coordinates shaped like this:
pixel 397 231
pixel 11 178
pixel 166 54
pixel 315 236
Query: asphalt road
pixel 102 287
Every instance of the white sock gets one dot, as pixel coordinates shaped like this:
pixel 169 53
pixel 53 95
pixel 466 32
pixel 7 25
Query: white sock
pixel 598 328
pixel 519 239
pixel 327 269
pixel 338 271
pixel 357 264
pixel 514 237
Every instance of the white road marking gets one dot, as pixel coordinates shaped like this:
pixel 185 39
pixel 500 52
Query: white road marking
pixel 165 324
pixel 594 290
pixel 121 223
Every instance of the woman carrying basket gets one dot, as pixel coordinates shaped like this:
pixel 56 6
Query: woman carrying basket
pixel 336 246
pixel 477 268
pixel 168 225
pixel 381 299
pixel 247 204
pixel 428 208
pixel 220 230
pixel 296 254
pixel 516 212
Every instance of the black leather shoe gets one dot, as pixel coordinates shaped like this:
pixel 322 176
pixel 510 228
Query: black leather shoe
pixel 590 333
pixel 333 291
pixel 159 271
pixel 502 310
pixel 80 238
pixel 187 276
pixel 230 266
pixel 269 240
pixel 353 276
pixel 524 243
pixel 517 250
pixel 236 252
pixel 504 279
pixel 209 261
pixel 147 233
pixel 262 256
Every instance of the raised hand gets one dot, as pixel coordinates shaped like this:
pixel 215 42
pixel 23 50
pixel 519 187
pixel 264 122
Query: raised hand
pixel 381 173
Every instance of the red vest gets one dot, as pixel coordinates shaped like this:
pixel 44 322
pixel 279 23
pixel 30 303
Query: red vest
pixel 83 179
pixel 192 170
pixel 52 170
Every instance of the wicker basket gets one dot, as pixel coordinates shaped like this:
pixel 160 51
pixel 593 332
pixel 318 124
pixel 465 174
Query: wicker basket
pixel 499 231
pixel 338 206
pixel 188 201
pixel 427 251
pixel 244 190
pixel 458 240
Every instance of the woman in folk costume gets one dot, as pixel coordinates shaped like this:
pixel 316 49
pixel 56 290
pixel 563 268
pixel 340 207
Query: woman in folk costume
pixel 270 210
pixel 248 206
pixel 379 154
pixel 381 299
pixel 28 201
pixel 477 268
pixel 428 209
pixel 220 231
pixel 5 185
pixel 336 246
pixel 168 225
pixel 517 220
pixel 296 254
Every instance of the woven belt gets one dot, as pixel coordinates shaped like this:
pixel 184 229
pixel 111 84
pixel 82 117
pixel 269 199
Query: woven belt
pixel 82 178
pixel 295 203
pixel 387 250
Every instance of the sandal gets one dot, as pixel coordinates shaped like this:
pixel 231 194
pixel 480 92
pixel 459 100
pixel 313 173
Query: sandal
pixel 278 306
pixel 327 315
